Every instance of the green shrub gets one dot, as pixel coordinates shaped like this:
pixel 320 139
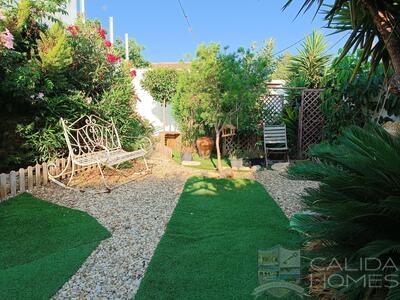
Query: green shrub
pixel 348 102
pixel 355 212
pixel 60 72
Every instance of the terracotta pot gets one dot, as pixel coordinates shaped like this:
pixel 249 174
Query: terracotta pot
pixel 205 145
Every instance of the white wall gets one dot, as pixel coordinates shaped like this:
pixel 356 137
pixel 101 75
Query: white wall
pixel 72 9
pixel 150 109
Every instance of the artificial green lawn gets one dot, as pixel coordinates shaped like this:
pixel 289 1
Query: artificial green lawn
pixel 209 249
pixel 205 164
pixel 42 246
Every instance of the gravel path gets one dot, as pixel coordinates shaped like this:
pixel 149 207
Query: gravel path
pixel 136 214
pixel 284 191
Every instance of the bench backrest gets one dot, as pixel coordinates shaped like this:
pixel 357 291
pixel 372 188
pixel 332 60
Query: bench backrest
pixel 90 134
pixel 275 134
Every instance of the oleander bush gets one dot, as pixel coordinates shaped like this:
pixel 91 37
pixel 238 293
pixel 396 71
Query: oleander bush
pixel 54 71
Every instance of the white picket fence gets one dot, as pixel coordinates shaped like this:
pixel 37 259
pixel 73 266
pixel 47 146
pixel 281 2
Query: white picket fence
pixel 25 180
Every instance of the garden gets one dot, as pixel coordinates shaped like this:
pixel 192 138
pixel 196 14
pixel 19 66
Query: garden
pixel 283 181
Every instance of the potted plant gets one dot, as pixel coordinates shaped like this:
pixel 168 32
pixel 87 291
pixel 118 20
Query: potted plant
pixel 205 146
pixel 236 158
pixel 186 150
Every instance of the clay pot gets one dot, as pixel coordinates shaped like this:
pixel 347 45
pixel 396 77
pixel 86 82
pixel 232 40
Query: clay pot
pixel 205 145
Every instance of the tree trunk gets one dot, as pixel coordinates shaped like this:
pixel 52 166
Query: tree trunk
pixel 164 116
pixel 217 138
pixel 386 31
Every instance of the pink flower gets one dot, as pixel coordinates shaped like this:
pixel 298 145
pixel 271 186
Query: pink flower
pixel 73 30
pixel 107 44
pixel 133 73
pixel 102 33
pixel 112 58
pixel 7 39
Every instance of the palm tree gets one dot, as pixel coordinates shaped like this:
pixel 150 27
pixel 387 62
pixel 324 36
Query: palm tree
pixel 373 26
pixel 312 60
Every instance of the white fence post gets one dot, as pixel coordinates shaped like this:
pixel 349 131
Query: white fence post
pixel 13 183
pixel 3 186
pixel 22 185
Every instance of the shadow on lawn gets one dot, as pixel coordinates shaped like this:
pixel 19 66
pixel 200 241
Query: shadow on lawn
pixel 211 186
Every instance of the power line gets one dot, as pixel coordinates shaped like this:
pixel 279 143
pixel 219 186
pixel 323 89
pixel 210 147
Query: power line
pixel 302 39
pixel 185 16
pixel 338 41
pixel 290 46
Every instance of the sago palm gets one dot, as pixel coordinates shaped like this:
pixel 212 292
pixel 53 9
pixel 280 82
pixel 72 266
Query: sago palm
pixel 355 212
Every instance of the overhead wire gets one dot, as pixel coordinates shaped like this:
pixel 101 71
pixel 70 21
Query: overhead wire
pixel 185 16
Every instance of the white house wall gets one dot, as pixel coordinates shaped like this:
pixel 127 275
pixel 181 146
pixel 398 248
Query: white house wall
pixel 150 109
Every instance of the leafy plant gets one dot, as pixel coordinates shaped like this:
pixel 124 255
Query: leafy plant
pixel 354 213
pixel 311 61
pixel 221 87
pixel 372 26
pixel 59 72
pixel 161 84
pixel 55 56
pixel 352 102
pixel 282 67
pixel 135 53
pixel 290 117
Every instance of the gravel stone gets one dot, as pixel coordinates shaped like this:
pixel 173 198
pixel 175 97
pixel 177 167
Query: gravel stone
pixel 136 214
pixel 286 192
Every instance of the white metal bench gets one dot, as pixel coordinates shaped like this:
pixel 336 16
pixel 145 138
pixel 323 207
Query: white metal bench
pixel 275 140
pixel 94 141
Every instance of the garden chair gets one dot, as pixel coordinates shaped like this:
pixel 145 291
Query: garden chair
pixel 94 141
pixel 275 140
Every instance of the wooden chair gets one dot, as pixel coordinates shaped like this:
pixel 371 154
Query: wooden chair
pixel 275 140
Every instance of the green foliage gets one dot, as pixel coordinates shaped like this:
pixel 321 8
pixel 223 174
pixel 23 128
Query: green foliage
pixel 360 19
pixel 311 60
pixel 352 102
pixel 135 52
pixel 55 56
pixel 290 117
pixel 90 70
pixel 161 84
pixel 282 67
pixel 59 72
pixel 306 70
pixel 354 213
pixel 220 88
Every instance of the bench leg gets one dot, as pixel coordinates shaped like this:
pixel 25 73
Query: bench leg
pixel 145 162
pixel 72 173
pixel 103 178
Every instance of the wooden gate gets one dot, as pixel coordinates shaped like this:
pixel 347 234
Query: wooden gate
pixel 310 120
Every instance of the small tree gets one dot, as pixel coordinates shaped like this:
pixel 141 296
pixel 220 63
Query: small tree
pixel 161 84
pixel 135 52
pixel 221 87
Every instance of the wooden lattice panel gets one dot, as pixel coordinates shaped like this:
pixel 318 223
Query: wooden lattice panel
pixel 272 109
pixel 242 142
pixel 310 120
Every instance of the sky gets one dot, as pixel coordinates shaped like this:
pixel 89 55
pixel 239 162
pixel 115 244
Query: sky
pixel 160 26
